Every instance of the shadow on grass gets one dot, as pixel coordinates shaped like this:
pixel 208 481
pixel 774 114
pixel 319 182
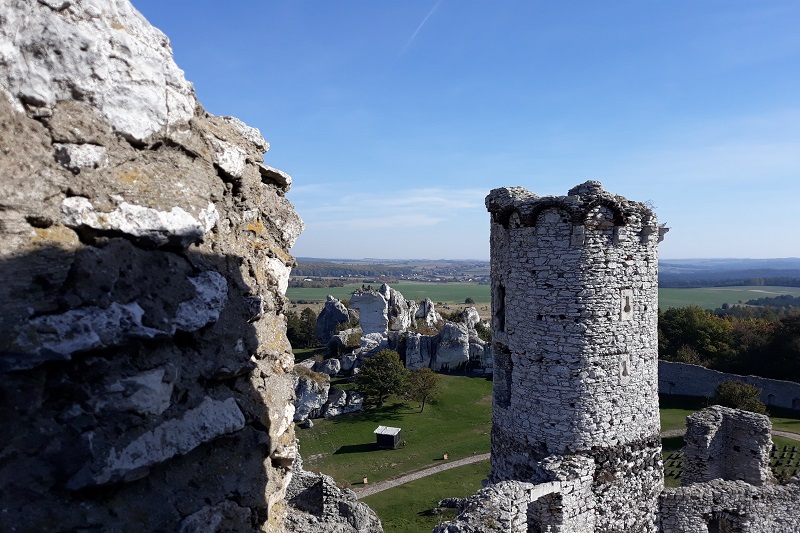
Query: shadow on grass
pixel 378 415
pixel 672 444
pixel 357 448
pixel 695 403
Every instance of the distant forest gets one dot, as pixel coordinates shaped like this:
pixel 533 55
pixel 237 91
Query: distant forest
pixel 343 270
pixel 787 278
pixel 761 337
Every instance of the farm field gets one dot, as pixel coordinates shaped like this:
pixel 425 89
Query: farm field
pixel 455 292
pixel 707 297
pixel 713 297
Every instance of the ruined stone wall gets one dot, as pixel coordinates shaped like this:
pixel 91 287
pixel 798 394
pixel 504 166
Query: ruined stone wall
pixel 144 259
pixel 725 443
pixel 574 298
pixel 693 380
pixel 731 506
pixel 565 503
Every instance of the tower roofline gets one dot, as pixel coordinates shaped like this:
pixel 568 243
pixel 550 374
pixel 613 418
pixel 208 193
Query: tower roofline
pixel 579 202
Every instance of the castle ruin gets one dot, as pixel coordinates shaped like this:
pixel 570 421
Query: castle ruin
pixel 576 441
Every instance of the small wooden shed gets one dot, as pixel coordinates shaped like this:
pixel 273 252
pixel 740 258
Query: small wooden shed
pixel 387 437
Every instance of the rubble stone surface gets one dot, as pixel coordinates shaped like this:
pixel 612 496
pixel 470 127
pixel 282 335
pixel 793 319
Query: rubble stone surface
pixel 144 366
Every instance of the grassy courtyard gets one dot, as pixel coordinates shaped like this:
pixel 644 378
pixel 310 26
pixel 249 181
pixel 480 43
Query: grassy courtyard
pixel 459 425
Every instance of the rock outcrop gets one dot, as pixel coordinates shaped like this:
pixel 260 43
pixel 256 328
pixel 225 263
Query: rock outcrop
pixel 372 310
pixel 316 398
pixel 427 313
pixel 332 315
pixel 144 365
pixel 317 505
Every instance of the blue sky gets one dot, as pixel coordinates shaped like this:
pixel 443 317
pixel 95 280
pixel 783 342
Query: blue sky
pixel 395 119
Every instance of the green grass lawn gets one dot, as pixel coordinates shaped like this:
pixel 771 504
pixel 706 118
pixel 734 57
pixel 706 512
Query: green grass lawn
pixel 409 507
pixel 713 297
pixel 458 424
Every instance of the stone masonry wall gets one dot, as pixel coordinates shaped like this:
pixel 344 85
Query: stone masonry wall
pixel 144 365
pixel 731 506
pixel 693 380
pixel 574 288
pixel 725 443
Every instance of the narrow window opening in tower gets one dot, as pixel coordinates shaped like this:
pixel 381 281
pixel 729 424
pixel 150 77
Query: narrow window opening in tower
pixel 624 368
pixel 503 375
pixel 626 305
pixel 500 308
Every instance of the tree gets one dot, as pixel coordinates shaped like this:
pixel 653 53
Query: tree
pixel 692 326
pixel 381 376
pixel 300 329
pixel 739 395
pixel 424 385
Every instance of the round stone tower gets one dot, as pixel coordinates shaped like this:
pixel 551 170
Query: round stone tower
pixel 575 308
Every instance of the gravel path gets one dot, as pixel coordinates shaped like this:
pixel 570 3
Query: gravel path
pixel 369 490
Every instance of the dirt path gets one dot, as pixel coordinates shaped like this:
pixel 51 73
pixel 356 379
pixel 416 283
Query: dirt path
pixel 369 490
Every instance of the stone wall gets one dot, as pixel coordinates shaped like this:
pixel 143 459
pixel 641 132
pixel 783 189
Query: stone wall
pixel 731 506
pixel 725 443
pixel 564 503
pixel 693 380
pixel 144 366
pixel 574 299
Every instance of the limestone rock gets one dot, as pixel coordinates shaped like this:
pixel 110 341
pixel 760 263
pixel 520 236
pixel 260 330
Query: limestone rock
pixel 207 421
pixel 333 314
pixel 347 362
pixel 317 504
pixel 146 393
pixel 419 350
pixel 342 402
pixel 144 258
pixel 159 228
pixel 311 392
pixel 470 317
pixel 427 313
pixel 372 310
pixel 106 52
pixel 400 311
pixel 452 347
pixel 330 366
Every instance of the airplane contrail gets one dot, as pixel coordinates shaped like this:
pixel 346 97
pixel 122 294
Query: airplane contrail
pixel 421 24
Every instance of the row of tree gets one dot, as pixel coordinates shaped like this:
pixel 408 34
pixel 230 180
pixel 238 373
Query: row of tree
pixel 767 347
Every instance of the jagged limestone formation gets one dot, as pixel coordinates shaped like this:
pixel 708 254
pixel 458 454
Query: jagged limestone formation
pixel 315 397
pixel 333 313
pixel 144 366
pixel 318 505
